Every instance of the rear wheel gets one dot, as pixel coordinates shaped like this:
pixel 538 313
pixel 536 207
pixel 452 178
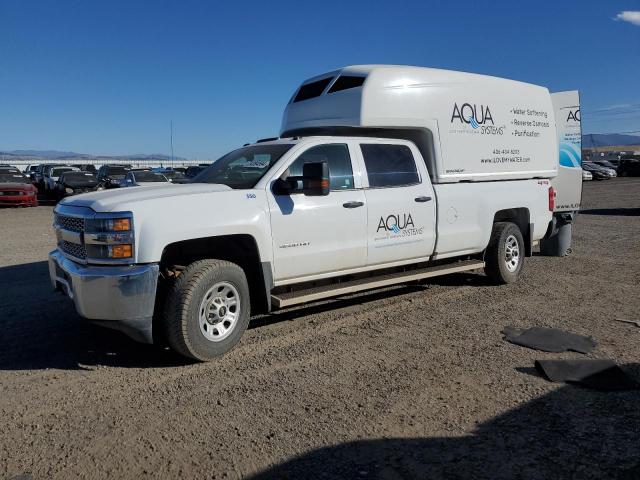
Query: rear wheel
pixel 504 257
pixel 207 309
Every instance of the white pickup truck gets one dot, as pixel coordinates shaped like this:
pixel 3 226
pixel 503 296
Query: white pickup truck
pixel 381 175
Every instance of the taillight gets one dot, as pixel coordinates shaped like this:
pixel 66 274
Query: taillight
pixel 552 199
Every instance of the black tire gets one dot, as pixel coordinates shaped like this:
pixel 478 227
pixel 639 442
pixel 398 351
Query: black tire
pixel 500 267
pixel 181 319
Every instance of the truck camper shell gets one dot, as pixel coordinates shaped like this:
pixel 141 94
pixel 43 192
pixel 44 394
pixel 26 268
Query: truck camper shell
pixel 468 127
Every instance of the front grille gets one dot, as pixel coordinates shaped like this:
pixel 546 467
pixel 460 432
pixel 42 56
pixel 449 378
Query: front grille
pixel 74 224
pixel 73 249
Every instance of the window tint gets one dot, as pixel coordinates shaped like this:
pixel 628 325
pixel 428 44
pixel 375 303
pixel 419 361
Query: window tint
pixel 313 89
pixel 337 156
pixel 389 165
pixel 345 82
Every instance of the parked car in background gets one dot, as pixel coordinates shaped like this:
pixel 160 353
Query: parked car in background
pixel 609 168
pixel 37 176
pixel 586 175
pixel 74 183
pixel 17 190
pixel 144 178
pixel 606 164
pixel 629 167
pixel 596 171
pixel 52 176
pixel 111 176
pixel 31 171
pixel 46 169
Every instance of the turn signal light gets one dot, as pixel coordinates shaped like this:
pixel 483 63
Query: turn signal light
pixel 319 183
pixel 121 251
pixel 121 224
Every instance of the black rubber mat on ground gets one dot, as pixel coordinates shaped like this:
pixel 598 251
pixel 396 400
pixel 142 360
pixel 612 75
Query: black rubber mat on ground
pixel 549 339
pixel 596 374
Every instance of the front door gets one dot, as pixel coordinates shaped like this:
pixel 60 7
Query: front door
pixel 313 235
pixel 401 204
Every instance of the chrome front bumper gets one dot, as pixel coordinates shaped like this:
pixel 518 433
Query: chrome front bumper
pixel 120 297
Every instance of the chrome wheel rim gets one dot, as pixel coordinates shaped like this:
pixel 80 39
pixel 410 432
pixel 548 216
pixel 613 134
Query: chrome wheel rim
pixel 511 253
pixel 219 311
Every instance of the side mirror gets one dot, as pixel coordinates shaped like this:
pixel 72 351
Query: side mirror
pixel 315 179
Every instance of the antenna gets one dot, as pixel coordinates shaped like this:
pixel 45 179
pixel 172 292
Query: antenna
pixel 172 162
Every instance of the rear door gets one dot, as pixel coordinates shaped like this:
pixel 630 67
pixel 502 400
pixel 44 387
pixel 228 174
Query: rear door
pixel 568 183
pixel 315 235
pixel 401 204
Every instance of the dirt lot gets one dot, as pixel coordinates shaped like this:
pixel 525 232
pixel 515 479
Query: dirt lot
pixel 414 382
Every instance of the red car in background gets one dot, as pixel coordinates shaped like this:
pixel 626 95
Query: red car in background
pixel 17 190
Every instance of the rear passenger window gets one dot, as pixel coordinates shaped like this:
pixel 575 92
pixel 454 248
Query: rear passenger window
pixel 337 156
pixel 389 165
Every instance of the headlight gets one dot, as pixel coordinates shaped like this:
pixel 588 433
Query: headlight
pixel 106 224
pixel 68 190
pixel 110 238
pixel 113 181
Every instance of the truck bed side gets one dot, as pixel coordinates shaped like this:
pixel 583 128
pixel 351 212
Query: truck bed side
pixel 466 212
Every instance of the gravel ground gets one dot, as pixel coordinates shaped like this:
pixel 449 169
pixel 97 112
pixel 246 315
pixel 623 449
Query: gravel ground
pixel 412 382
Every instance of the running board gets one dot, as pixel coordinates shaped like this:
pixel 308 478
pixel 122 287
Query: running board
pixel 283 300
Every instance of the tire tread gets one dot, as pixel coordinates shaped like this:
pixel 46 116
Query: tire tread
pixel 179 299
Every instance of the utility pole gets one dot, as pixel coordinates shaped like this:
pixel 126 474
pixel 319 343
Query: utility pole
pixel 172 162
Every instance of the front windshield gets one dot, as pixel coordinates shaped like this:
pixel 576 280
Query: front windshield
pixel 13 178
pixel 114 171
pixel 149 177
pixel 243 168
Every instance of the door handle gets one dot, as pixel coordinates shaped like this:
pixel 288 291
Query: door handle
pixel 422 199
pixel 352 204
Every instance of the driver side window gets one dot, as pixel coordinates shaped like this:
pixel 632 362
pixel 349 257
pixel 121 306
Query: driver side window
pixel 337 156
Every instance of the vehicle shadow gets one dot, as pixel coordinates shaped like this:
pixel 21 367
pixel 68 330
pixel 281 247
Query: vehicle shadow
pixel 41 329
pixel 461 280
pixel 571 432
pixel 625 212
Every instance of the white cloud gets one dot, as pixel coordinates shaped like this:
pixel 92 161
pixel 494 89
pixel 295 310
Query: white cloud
pixel 629 16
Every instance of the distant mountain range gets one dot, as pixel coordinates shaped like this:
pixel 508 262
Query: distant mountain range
pixel 588 141
pixel 608 139
pixel 59 155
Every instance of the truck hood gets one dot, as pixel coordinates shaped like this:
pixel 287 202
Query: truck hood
pixel 108 200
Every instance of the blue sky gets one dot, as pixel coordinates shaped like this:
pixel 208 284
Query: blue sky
pixel 107 77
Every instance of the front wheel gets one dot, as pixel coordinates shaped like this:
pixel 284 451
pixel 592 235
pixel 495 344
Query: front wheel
pixel 207 309
pixel 504 257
